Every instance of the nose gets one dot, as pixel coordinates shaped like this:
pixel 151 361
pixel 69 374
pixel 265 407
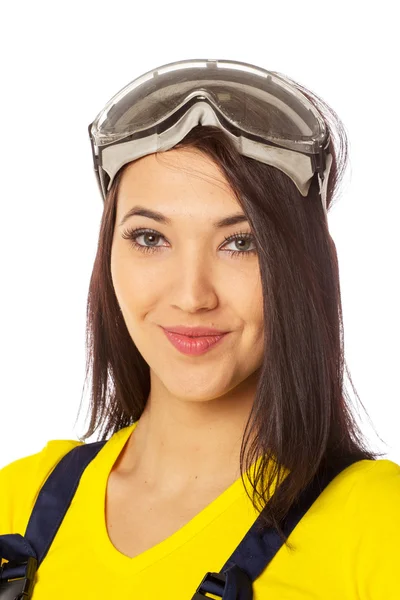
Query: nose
pixel 194 285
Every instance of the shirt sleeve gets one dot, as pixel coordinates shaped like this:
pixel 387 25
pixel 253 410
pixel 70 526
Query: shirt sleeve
pixel 373 545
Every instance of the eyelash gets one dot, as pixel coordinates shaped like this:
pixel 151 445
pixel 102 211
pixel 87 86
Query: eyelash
pixel 133 234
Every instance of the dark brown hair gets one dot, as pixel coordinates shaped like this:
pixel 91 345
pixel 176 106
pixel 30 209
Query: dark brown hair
pixel 301 416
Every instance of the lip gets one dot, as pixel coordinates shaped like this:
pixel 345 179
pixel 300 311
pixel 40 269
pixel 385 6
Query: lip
pixel 194 346
pixel 194 331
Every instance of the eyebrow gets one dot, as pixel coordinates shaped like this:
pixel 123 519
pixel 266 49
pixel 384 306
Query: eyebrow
pixel 157 216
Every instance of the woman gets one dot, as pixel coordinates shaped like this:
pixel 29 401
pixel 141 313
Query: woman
pixel 229 461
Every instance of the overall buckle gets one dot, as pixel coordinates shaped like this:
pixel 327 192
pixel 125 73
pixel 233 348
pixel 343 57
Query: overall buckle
pixel 17 588
pixel 212 583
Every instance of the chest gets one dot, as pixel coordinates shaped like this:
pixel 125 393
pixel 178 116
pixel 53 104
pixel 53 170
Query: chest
pixel 136 520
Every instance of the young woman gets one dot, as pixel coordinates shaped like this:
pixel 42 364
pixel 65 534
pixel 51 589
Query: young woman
pixel 229 463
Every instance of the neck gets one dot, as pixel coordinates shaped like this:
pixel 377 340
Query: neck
pixel 182 446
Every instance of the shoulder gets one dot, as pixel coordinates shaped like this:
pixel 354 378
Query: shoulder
pixel 38 464
pixel 365 486
pixel 370 540
pixel 376 482
pixel 21 480
pixel 373 503
pixel 362 485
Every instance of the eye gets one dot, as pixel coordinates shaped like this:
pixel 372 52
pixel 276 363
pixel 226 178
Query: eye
pixel 134 234
pixel 245 238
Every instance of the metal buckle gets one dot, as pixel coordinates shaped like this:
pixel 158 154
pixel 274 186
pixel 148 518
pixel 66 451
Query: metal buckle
pixel 20 588
pixel 212 583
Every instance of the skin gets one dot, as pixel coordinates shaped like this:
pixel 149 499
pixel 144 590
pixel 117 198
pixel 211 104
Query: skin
pixel 188 437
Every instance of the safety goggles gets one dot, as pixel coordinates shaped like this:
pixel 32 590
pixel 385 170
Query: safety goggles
pixel 264 114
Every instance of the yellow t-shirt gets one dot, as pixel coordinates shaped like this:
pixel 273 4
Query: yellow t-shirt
pixel 347 545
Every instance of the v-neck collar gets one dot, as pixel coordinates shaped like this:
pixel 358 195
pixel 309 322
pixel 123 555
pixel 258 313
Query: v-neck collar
pixel 93 487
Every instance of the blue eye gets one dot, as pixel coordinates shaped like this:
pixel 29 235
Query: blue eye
pixel 134 234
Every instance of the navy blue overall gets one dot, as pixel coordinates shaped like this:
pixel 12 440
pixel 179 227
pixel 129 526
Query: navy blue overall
pixel 233 582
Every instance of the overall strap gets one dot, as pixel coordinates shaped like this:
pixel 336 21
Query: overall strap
pixel 260 544
pixel 25 553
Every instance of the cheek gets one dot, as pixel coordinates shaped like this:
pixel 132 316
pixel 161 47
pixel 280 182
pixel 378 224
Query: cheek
pixel 123 277
pixel 250 297
pixel 254 310
pixel 135 285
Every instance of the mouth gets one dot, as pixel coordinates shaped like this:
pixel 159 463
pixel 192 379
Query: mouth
pixel 194 332
pixel 194 346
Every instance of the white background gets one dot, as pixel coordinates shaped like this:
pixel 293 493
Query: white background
pixel 60 63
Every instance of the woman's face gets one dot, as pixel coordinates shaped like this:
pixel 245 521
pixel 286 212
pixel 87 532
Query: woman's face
pixel 188 277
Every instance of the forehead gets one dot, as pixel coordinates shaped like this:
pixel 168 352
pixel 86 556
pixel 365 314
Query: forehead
pixel 174 179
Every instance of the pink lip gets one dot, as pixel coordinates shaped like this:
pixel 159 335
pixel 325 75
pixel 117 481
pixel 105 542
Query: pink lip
pixel 194 331
pixel 193 345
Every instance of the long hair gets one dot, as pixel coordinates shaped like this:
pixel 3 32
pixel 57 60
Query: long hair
pixel 301 415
